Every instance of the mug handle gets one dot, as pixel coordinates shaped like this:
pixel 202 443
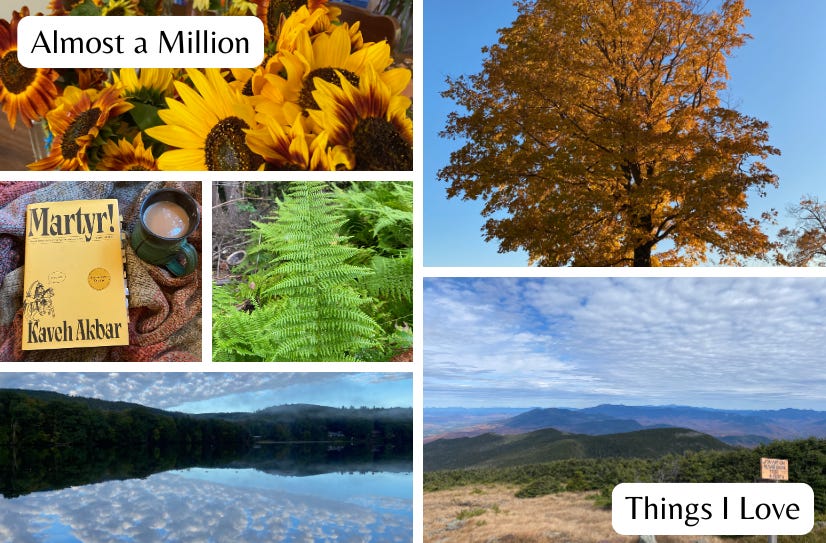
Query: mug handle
pixel 191 257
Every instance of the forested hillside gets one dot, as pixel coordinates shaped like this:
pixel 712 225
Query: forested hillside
pixel 302 422
pixel 493 450
pixel 37 419
pixel 47 419
pixel 807 464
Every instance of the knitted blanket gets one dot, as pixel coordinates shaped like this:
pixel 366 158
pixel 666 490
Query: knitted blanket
pixel 164 310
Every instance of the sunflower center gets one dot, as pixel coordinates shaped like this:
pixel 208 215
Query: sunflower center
pixel 276 8
pixel 226 148
pixel 117 10
pixel 330 75
pixel 14 76
pixel 379 146
pixel 137 168
pixel 79 128
pixel 247 90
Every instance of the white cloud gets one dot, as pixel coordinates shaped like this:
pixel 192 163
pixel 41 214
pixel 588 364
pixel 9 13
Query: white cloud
pixel 724 341
pixel 246 391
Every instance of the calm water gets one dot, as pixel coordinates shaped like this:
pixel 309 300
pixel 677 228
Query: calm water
pixel 217 505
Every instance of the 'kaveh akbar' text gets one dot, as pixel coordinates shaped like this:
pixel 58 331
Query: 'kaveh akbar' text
pixel 85 330
pixel 43 223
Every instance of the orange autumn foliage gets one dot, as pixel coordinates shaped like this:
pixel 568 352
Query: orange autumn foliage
pixel 596 136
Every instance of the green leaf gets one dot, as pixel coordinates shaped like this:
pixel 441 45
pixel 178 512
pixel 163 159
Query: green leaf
pixel 145 115
pixel 86 8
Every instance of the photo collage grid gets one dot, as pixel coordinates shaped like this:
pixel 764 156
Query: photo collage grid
pixel 430 272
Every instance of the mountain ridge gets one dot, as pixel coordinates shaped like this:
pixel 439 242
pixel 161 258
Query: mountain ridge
pixel 745 427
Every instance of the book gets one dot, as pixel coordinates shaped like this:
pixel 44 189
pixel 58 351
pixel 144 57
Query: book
pixel 73 277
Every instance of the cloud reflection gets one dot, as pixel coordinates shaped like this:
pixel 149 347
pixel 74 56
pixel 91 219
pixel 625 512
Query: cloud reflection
pixel 174 507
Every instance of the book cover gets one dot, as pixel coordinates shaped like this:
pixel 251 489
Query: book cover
pixel 74 283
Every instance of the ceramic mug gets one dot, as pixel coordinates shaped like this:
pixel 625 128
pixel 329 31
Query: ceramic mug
pixel 166 218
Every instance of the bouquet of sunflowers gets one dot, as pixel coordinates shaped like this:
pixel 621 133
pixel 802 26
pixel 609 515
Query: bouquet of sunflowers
pixel 323 99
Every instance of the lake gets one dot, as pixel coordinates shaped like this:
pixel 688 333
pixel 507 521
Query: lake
pixel 234 504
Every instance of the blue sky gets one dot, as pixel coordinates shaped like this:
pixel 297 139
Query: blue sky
pixel 729 343
pixel 221 392
pixel 777 77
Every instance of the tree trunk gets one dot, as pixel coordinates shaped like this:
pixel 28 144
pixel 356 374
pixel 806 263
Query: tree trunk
pixel 642 256
pixel 642 252
pixel 232 194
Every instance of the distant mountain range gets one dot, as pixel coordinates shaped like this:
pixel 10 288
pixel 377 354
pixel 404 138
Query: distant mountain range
pixel 497 451
pixel 737 427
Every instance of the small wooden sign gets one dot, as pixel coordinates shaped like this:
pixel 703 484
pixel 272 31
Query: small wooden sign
pixel 774 469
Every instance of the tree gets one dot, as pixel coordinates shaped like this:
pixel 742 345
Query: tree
pixel 805 243
pixel 595 132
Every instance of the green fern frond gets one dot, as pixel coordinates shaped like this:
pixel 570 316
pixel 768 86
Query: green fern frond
pixel 321 316
pixel 317 292
pixel 236 334
pixel 392 278
pixel 379 214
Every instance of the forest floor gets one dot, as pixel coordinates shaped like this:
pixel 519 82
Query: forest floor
pixel 232 214
pixel 492 514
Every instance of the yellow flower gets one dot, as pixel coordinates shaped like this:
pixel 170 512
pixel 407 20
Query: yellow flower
pixel 327 57
pixel 291 148
pixel 151 85
pixel 120 7
pixel 207 126
pixel 28 91
pixel 127 156
pixel 242 80
pixel 316 12
pixel 368 121
pixel 288 29
pixel 77 119
pixel 242 7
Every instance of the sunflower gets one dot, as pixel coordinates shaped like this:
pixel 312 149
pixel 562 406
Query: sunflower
pixel 367 121
pixel 243 78
pixel 120 7
pixel 270 12
pixel 127 156
pixel 76 121
pixel 151 85
pixel 292 148
pixel 327 57
pixel 290 28
pixel 29 91
pixel 207 127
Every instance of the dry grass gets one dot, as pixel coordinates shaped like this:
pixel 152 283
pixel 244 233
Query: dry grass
pixel 492 514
